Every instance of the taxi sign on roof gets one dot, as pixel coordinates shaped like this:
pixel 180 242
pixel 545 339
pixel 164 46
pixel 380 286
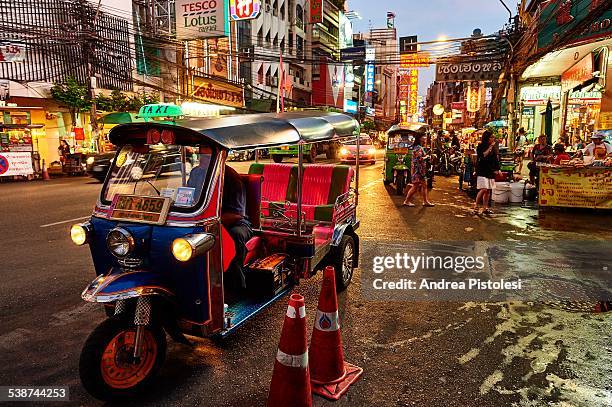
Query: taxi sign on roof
pixel 160 110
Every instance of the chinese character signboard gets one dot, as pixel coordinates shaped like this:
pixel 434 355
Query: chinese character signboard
pixel 417 60
pixel 468 71
pixel 413 92
pixel 201 19
pixel 369 78
pixel 473 97
pixel 10 52
pixel 244 9
pixel 560 16
pixel 316 11
pixel 218 92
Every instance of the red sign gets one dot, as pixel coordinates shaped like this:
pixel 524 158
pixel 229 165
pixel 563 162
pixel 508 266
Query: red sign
pixel 244 9
pixel 316 11
pixel 578 73
pixel 79 134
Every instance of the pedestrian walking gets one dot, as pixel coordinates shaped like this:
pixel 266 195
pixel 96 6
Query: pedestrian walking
pixel 419 173
pixel 487 165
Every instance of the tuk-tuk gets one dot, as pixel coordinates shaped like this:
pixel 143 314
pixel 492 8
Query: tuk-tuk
pixel 161 253
pixel 398 154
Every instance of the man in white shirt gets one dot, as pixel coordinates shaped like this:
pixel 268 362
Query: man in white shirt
pixel 598 148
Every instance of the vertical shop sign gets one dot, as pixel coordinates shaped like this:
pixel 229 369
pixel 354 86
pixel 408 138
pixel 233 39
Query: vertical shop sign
pixel 473 97
pixel 413 92
pixel 369 86
pixel 316 11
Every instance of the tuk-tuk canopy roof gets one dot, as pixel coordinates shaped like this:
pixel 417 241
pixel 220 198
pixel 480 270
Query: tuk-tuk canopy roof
pixel 239 132
pixel 415 127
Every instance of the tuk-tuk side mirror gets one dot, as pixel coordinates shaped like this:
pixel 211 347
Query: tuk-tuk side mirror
pixel 187 247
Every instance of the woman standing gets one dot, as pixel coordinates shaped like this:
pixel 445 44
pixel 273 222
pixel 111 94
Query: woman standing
pixel 64 151
pixel 419 173
pixel 487 165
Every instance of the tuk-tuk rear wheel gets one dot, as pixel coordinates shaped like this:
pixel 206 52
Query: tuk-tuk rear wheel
pixel 344 263
pixel 107 368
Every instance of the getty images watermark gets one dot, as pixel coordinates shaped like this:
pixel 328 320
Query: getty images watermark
pixel 410 264
pixel 487 271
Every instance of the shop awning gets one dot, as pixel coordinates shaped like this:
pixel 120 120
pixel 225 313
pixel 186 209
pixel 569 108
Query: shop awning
pixel 556 62
pixel 121 118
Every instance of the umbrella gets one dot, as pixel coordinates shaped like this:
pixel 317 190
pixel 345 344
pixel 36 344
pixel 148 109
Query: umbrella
pixel 121 118
pixel 548 122
pixel 497 123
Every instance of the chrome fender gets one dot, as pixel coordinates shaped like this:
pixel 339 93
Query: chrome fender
pixel 120 284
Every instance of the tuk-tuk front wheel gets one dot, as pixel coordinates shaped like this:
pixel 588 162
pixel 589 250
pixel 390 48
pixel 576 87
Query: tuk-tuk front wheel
pixel 107 366
pixel 344 262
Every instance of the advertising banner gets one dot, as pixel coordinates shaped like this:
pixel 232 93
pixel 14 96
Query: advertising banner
pixel 577 74
pixel 576 187
pixel 468 71
pixel 218 92
pixel 15 164
pixel 352 54
pixel 244 9
pixel 473 97
pixel 11 52
pixel 201 19
pixel 539 95
pixel 413 93
pixel 316 11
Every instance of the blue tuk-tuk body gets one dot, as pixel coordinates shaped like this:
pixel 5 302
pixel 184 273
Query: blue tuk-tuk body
pixel 161 253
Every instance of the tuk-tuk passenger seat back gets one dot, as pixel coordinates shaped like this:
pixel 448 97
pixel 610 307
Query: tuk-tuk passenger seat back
pixel 276 179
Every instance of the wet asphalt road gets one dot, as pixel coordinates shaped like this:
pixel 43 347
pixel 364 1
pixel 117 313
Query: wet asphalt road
pixel 413 353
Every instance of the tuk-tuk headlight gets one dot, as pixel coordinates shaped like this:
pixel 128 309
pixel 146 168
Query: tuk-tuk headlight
pixel 344 151
pixel 187 247
pixel 79 233
pixel 120 242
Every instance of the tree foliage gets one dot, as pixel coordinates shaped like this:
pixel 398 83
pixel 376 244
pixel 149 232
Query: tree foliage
pixel 72 94
pixel 118 101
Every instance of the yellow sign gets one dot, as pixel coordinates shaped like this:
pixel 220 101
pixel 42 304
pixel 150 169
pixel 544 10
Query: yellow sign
pixel 605 120
pixel 417 60
pixel 576 187
pixel 218 92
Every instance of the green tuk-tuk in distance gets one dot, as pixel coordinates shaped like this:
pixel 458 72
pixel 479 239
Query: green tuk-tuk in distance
pixel 398 154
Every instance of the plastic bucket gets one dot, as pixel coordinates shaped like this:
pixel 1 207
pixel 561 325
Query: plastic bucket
pixel 516 192
pixel 501 193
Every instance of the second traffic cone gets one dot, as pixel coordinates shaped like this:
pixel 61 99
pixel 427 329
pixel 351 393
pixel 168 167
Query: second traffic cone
pixel 291 378
pixel 330 375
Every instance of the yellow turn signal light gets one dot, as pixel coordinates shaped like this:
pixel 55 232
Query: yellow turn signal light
pixel 78 234
pixel 182 250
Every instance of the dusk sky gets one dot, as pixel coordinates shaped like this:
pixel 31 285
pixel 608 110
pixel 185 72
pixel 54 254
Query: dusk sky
pixel 431 18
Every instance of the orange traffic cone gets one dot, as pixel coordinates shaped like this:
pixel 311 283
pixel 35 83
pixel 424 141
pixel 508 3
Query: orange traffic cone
pixel 45 173
pixel 330 375
pixel 291 378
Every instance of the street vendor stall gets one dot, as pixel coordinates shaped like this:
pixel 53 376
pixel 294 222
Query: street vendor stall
pixel 576 185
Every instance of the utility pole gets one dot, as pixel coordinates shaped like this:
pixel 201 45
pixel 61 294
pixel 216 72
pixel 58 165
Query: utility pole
pixel 88 24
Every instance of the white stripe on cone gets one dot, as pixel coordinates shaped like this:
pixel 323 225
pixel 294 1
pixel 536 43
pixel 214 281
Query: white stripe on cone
pixel 327 321
pixel 291 313
pixel 285 359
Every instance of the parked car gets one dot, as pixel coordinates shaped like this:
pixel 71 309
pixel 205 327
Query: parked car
pixel 367 151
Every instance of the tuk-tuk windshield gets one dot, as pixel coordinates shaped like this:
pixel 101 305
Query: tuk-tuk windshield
pixel 403 139
pixel 181 173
